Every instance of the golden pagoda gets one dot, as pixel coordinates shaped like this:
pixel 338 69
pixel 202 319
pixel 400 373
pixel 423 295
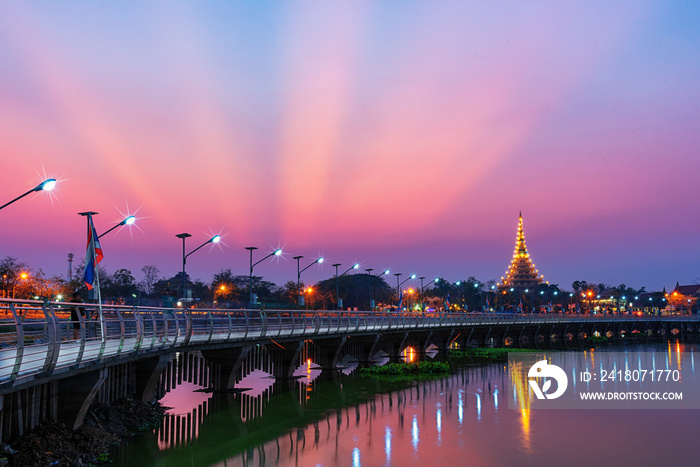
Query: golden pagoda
pixel 521 274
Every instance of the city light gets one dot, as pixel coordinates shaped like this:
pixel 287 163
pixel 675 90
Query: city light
pixel 46 185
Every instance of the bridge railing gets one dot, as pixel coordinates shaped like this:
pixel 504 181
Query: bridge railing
pixel 39 338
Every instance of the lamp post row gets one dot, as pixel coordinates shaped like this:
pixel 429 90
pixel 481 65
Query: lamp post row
pixel 49 184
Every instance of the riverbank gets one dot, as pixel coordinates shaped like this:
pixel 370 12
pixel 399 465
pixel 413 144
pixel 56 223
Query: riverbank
pixel 54 444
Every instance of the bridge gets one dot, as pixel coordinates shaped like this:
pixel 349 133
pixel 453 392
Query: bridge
pixel 53 368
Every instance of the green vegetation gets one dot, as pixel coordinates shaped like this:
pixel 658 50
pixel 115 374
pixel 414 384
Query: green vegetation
pixel 487 353
pixel 408 369
pixel 597 339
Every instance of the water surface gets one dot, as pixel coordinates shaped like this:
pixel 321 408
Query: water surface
pixel 337 418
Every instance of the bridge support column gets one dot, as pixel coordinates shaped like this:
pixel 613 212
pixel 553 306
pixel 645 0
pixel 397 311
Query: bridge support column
pixel 147 373
pixel 395 344
pixel 226 365
pixel 328 352
pixel 285 359
pixel 75 394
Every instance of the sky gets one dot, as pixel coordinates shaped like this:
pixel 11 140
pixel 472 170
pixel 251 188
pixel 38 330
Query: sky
pixel 405 135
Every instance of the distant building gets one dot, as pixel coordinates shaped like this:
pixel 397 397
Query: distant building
pixel 521 274
pixel 609 300
pixel 684 298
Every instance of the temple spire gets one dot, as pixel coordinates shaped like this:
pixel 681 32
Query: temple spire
pixel 522 273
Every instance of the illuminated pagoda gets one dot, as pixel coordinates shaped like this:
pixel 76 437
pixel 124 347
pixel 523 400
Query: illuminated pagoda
pixel 521 275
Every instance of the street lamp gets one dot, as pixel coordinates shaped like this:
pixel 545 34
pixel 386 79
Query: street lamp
pixel 337 281
pixel 369 270
pixel 422 288
pixel 183 236
pixel 46 185
pixel 399 284
pixel 318 260
pixel 128 221
pixel 277 252
pixel 299 296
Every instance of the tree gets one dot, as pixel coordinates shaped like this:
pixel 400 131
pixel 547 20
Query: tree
pixel 120 285
pixel 11 269
pixel 353 290
pixel 150 277
pixel 288 292
pixel 223 287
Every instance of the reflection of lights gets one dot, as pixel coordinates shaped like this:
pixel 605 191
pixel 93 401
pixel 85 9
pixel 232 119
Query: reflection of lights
pixel 460 407
pixel 478 406
pixel 356 457
pixel 692 361
pixel 309 371
pixel 409 354
pixel 438 421
pixel 387 443
pixel 414 432
pixel 495 399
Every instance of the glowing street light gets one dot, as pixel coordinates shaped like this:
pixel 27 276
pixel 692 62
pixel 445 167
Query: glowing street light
pixel 318 260
pixel 422 288
pixel 127 221
pixel 183 236
pixel 369 270
pixel 337 281
pixel 277 252
pixel 398 285
pixel 46 185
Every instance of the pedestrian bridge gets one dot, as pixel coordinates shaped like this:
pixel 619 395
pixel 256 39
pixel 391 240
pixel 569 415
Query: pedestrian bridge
pixel 52 367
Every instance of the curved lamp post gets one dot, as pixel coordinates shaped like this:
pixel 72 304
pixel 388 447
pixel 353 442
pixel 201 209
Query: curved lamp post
pixel 46 185
pixel 369 270
pixel 337 281
pixel 277 252
pixel 128 221
pixel 318 260
pixel 422 289
pixel 398 285
pixel 183 236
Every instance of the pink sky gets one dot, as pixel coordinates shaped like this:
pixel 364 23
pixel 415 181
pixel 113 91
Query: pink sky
pixel 407 138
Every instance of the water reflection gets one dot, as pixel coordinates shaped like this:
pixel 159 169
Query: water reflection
pixel 343 413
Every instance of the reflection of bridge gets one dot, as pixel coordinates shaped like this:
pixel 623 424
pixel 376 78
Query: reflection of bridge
pixel 286 431
pixel 48 373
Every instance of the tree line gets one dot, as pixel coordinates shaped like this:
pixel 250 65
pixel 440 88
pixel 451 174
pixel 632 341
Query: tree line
pixel 227 290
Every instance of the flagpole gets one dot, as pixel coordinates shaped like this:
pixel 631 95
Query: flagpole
pixel 92 234
pixel 97 280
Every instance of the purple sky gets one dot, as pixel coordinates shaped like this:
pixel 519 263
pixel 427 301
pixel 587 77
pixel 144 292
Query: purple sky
pixel 402 136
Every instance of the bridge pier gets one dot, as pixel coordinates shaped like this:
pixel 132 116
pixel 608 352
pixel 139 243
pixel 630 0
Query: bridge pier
pixel 147 374
pixel 225 365
pixel 76 394
pixel 285 359
pixel 326 352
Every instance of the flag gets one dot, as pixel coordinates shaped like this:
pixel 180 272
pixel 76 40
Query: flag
pixel 400 300
pixel 447 302
pixel 93 255
pixel 520 305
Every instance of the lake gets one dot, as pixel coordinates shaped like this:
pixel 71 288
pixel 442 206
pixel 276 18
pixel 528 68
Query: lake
pixel 343 418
